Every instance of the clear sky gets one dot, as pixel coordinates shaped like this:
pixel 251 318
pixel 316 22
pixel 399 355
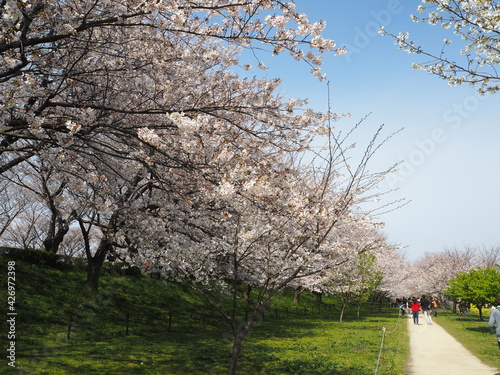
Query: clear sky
pixel 450 145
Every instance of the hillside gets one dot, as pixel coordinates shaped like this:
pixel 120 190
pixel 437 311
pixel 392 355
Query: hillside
pixel 139 324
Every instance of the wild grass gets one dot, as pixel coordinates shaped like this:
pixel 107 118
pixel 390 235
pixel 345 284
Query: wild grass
pixel 141 325
pixel 473 333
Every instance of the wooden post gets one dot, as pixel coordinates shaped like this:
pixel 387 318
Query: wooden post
pixel 128 324
pixel 70 323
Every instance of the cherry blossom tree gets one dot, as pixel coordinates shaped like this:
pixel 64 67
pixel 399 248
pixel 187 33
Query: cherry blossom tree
pixel 11 205
pixel 38 181
pixel 27 229
pixel 260 220
pixel 431 273
pixel 357 281
pixel 474 57
pixel 398 277
pixel 488 256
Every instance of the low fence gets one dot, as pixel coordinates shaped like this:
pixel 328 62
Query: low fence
pixel 128 323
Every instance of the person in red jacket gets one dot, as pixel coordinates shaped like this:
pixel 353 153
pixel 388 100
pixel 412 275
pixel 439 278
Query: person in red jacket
pixel 415 309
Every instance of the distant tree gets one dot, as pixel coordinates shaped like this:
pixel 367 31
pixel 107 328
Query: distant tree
pixel 476 58
pixel 11 206
pixel 488 256
pixel 433 270
pixel 478 286
pixel 39 181
pixel 362 281
pixel 397 278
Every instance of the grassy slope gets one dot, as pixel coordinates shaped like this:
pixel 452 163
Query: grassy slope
pixel 172 331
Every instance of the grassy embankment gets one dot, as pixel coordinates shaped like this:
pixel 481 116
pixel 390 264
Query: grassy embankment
pixel 141 325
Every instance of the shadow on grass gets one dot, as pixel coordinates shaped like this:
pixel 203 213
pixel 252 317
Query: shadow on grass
pixel 203 350
pixel 482 329
pixel 189 354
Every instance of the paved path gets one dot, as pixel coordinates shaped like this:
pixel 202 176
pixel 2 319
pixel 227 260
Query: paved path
pixel 434 351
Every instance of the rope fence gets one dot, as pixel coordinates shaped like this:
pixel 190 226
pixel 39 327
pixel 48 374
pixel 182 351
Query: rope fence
pixel 384 333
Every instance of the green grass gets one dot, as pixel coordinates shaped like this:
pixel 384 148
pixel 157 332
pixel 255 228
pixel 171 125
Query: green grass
pixel 473 333
pixel 172 331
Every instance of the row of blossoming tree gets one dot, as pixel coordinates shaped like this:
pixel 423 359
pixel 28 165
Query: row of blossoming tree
pixel 132 128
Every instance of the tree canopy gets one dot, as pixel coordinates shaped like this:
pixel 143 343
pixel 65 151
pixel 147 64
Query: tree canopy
pixel 477 286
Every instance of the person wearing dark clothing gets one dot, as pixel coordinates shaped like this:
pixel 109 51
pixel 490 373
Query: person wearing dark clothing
pixel 426 308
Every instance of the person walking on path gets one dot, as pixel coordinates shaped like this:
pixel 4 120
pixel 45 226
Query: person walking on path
pixel 435 305
pixel 415 309
pixel 495 320
pixel 426 308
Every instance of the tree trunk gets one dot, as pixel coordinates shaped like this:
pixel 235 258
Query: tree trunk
pixel 237 345
pixel 246 293
pixel 372 302
pixel 319 297
pixel 342 312
pixel 95 264
pixel 296 297
pixel 240 334
pixel 53 240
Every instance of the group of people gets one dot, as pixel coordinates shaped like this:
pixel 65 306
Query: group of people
pixel 429 306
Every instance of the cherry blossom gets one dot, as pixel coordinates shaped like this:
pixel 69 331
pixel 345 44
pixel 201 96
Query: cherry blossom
pixel 475 59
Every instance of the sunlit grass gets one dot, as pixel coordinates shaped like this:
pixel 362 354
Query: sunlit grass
pixel 172 332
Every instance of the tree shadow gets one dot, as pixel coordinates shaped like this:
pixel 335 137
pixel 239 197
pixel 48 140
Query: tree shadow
pixel 482 329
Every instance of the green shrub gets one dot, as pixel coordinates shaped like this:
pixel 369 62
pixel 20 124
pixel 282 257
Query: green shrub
pixel 41 258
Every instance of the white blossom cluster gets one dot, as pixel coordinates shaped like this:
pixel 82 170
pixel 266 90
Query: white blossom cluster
pixel 476 25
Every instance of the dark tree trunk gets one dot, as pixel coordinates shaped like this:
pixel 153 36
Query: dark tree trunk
pixel 319 297
pixel 58 227
pixel 55 238
pixel 240 334
pixel 373 300
pixel 95 264
pixel 237 345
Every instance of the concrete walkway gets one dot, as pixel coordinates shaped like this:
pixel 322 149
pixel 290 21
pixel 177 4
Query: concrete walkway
pixel 434 351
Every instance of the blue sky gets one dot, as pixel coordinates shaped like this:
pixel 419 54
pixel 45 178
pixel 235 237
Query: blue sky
pixel 449 147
